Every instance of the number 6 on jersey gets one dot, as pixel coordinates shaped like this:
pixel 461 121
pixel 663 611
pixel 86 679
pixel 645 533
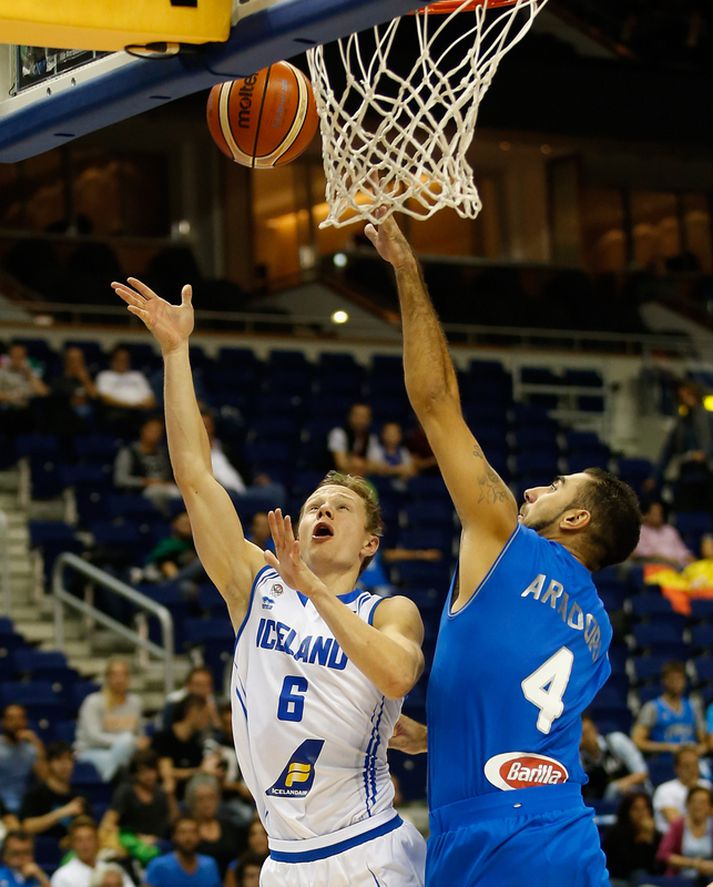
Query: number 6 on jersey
pixel 545 687
pixel 291 705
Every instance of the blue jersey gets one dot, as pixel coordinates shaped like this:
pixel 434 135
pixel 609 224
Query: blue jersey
pixel 674 726
pixel 512 673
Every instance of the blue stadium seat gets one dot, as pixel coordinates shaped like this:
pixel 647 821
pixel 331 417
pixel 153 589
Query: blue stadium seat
pixel 645 605
pixel 79 691
pixel 661 881
pixel 429 514
pixel 702 636
pixel 36 662
pixel 660 637
pixel 64 731
pixel 648 668
pixel 410 771
pixel 214 632
pixel 47 852
pixel 427 487
pixel 702 610
pixel 427 537
pixel 704 668
pixel 420 573
pixel 43 445
pixel 96 448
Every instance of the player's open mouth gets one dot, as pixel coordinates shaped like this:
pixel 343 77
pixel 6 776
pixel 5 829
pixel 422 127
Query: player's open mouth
pixel 322 530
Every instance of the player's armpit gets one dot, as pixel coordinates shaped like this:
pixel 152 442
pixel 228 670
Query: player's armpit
pixel 480 496
pixel 228 558
pixel 399 619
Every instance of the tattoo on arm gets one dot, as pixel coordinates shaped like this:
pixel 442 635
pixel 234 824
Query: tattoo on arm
pixel 492 488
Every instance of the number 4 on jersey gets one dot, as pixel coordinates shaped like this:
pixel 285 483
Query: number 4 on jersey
pixel 546 685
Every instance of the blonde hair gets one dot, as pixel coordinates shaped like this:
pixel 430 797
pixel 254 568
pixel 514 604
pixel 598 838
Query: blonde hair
pixel 366 492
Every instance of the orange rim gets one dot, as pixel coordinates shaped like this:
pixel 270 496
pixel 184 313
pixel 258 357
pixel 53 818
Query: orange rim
pixel 445 7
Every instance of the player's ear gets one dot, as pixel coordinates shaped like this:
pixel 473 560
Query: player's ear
pixel 575 519
pixel 371 546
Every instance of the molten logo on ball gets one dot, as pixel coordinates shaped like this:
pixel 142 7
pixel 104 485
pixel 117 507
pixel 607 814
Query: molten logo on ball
pixel 265 120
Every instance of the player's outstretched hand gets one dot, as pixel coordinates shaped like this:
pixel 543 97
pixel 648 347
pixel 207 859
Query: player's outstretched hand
pixel 409 736
pixel 170 325
pixel 287 559
pixel 389 241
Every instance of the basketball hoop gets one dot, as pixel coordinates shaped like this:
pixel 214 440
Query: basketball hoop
pixel 397 135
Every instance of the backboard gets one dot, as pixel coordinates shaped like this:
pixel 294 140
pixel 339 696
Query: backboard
pixel 78 94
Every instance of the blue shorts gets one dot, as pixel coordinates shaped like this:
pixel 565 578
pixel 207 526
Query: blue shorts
pixel 542 836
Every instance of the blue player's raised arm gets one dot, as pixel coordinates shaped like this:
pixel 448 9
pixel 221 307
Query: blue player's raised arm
pixel 483 501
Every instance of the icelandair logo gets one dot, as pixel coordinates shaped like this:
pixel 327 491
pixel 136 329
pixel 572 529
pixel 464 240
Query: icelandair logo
pixel 519 769
pixel 296 779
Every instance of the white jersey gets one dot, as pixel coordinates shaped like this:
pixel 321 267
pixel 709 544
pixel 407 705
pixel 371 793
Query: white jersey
pixel 310 729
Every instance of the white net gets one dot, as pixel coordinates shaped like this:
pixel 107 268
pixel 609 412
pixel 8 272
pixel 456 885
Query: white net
pixel 398 107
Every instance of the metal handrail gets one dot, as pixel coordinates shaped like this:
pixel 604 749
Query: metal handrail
pixel 61 598
pixel 5 563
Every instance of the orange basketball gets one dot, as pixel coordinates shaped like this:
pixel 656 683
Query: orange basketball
pixel 265 120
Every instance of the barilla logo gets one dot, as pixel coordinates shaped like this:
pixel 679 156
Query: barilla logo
pixel 519 769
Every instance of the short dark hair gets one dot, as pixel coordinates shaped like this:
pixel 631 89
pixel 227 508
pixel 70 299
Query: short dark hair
pixel 244 861
pixel 146 759
pixel 182 818
pixel 684 750
pixel 58 750
pixel 699 788
pixel 673 666
pixel 82 822
pixel 189 702
pixel 4 708
pixel 616 520
pixel 16 834
pixel 196 669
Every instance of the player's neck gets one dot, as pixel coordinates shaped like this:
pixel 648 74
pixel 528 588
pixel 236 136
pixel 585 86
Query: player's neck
pixel 568 542
pixel 338 581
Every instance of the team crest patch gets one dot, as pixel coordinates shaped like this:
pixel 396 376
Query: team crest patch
pixel 519 769
pixel 267 602
pixel 277 589
pixel 296 779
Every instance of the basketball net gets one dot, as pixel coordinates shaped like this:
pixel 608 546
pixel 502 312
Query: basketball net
pixel 399 138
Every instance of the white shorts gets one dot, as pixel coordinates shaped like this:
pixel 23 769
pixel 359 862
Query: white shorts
pixel 396 859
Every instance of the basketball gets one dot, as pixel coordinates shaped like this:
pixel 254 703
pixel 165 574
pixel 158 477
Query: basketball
pixel 265 120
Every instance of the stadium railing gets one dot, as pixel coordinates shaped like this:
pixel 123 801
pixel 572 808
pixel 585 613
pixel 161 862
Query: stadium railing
pixel 63 598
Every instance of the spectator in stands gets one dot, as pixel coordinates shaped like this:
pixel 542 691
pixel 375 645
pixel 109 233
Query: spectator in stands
pixel 184 867
pixel 219 836
pixel 50 806
pixel 125 393
pixel 613 763
pixel 672 719
pixel 141 811
pixel 421 453
pixel 659 542
pixel 22 753
pixel 263 490
pixel 238 803
pixel 351 447
pixel 20 384
pixel 72 395
pixel 687 847
pixel 199 682
pixel 257 838
pixel 631 843
pixel 174 557
pixel 109 723
pixel 180 746
pixel 18 866
pixel 670 797
pixel 259 532
pixel 389 457
pixel 143 466
pixel 689 446
pixel 84 843
pixel 257 852
pixel 245 871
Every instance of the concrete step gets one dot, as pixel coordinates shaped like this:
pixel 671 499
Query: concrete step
pixel 18 533
pixel 106 642
pixel 8 501
pixel 72 649
pixel 17 549
pixel 20 568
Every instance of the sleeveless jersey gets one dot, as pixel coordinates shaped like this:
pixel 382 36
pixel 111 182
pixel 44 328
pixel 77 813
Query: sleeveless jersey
pixel 512 673
pixel 674 726
pixel 310 729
